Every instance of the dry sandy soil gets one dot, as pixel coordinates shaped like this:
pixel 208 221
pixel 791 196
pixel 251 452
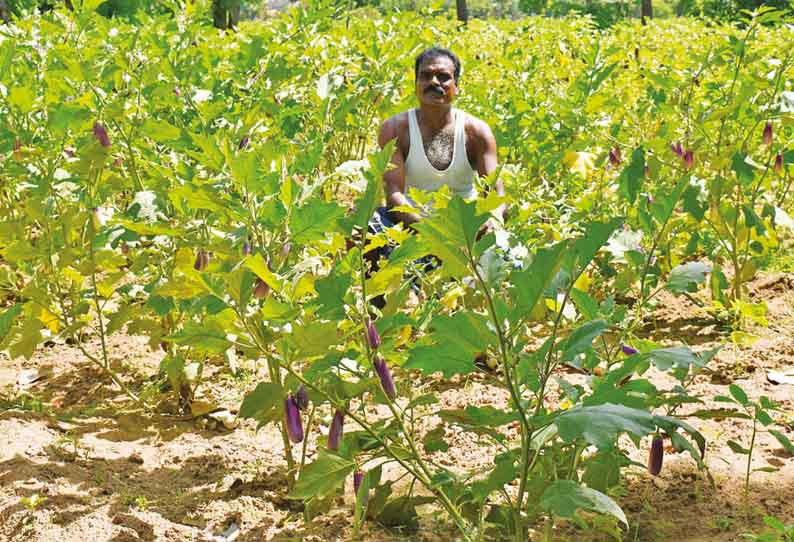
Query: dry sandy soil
pixel 105 471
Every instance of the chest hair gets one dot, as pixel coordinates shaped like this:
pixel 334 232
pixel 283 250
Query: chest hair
pixel 439 148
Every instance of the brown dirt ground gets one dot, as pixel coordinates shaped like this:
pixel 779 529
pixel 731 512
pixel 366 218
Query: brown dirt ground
pixel 110 472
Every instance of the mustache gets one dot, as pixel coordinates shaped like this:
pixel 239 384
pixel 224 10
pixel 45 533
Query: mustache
pixel 434 90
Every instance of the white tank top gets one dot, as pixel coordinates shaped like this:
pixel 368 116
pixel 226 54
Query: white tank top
pixel 421 174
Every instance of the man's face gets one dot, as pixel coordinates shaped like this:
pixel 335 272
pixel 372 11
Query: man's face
pixel 435 81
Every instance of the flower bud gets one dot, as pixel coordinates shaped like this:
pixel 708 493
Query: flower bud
pixel 202 260
pixel 386 380
pixel 284 252
pixel 768 133
pixel 677 148
pixel 246 248
pixel 243 143
pixel 779 163
pixel 656 456
pixel 358 477
pixel 261 289
pixel 689 159
pixel 101 134
pixel 302 397
pixel 293 420
pixel 335 432
pixel 628 350
pixel 177 92
pixel 372 335
pixel 614 157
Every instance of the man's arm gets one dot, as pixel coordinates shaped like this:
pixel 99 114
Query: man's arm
pixel 486 159
pixel 394 179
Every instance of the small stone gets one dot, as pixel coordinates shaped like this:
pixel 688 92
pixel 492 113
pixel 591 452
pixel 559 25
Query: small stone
pixel 135 458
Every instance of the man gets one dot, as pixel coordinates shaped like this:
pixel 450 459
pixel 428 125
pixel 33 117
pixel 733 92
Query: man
pixel 436 144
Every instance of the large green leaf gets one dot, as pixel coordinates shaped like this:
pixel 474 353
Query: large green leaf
pixel 632 175
pixel 314 220
pixel 581 339
pixel 452 231
pixel 322 477
pixel 600 425
pixel 687 277
pixel 265 404
pixel 585 248
pixel 565 497
pixel 530 283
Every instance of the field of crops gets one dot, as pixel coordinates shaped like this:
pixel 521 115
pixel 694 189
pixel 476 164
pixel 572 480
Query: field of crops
pixel 190 347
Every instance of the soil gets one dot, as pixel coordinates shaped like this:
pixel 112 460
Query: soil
pixel 80 463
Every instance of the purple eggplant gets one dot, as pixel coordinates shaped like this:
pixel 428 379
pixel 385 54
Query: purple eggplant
pixel 243 143
pixel 689 159
pixel 335 433
pixel 779 163
pixel 372 335
pixel 768 133
pixel 202 260
pixel 614 157
pixel 628 350
pixel 101 134
pixel 656 456
pixel 302 397
pixel 261 289
pixel 293 419
pixel 386 380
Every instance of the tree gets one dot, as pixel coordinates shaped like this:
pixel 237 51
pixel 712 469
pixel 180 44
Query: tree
pixel 646 10
pixel 225 13
pixel 463 10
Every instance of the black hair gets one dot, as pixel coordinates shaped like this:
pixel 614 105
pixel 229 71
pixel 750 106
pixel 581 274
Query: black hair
pixel 435 52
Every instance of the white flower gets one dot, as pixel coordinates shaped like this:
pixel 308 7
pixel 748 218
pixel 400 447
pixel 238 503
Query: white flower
pixel 60 174
pixel 113 32
pixel 137 291
pixel 104 214
pixel 774 62
pixel 783 219
pixel 622 241
pixel 787 101
pixel 202 95
pixel 502 239
pixel 148 207
pixel 569 311
pixel 519 252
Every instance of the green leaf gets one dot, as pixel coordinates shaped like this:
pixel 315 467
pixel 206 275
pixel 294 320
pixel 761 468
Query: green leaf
pixel 632 175
pixel 448 358
pixel 783 440
pixel 265 404
pixel 473 416
pixel 738 394
pixel 314 338
pixel 205 337
pixel 450 231
pixel 256 264
pixel 530 283
pixel 434 441
pixel 29 337
pixel 565 497
pixel 600 425
pixel 744 171
pixel 322 477
pixel 674 357
pixel 314 220
pixel 7 320
pixel 585 248
pixel 738 448
pixel 686 277
pixel 581 339
pixel 367 204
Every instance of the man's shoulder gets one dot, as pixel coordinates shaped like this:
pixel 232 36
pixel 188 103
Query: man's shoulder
pixel 396 123
pixel 477 128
